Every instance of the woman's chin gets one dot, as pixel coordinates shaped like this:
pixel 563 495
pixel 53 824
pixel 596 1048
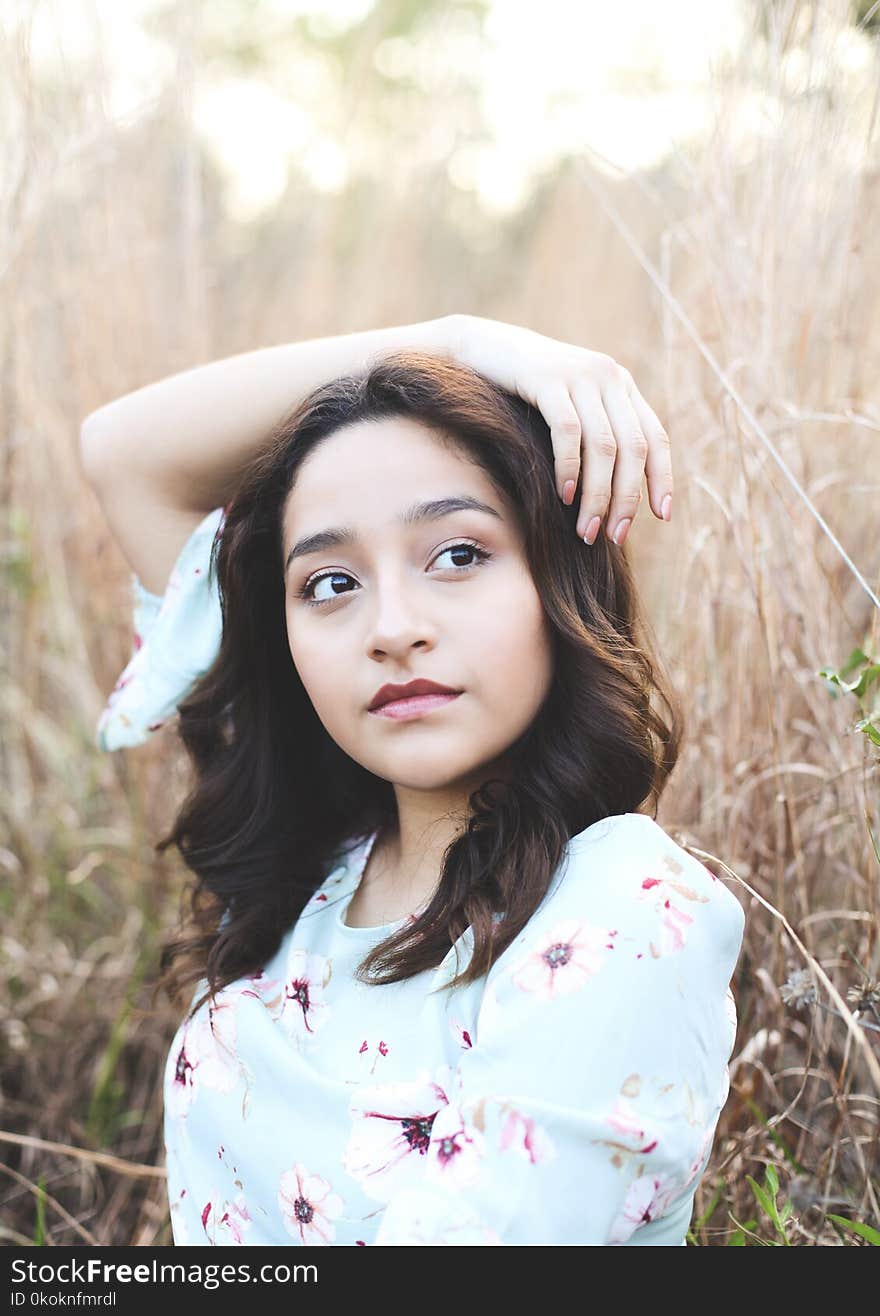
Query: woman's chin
pixel 423 774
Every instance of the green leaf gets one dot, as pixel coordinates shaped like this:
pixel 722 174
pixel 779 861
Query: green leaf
pixel 862 683
pixel 763 1199
pixel 872 732
pixel 864 1231
pixel 40 1226
pixel 856 658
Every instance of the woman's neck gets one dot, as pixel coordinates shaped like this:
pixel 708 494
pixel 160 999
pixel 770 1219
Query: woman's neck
pixel 406 860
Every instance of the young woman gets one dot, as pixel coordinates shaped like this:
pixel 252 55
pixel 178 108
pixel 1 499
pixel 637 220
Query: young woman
pixel 451 985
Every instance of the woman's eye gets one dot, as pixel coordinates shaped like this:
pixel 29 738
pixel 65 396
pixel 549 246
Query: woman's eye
pixel 465 549
pixel 332 578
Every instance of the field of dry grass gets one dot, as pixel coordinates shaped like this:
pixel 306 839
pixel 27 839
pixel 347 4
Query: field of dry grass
pixel 751 323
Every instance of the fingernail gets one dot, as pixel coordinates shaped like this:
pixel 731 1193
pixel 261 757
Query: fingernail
pixel 568 492
pixel 666 508
pixel 622 527
pixel 592 530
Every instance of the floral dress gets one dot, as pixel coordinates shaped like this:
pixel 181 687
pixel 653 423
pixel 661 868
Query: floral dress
pixel 569 1096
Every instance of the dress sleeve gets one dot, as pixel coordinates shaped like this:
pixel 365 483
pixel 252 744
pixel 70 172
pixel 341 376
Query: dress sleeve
pixel 176 639
pixel 584 1109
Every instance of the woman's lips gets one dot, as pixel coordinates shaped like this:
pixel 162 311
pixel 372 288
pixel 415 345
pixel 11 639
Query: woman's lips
pixel 402 710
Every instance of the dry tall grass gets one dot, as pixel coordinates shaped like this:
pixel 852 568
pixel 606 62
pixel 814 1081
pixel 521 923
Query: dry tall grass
pixel 774 257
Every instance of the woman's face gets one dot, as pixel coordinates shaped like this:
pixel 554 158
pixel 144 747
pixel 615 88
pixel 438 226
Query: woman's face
pixel 394 601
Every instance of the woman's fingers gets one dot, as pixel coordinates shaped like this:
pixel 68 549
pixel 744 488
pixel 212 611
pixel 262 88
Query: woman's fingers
pixel 599 452
pixel 554 401
pixel 658 464
pixel 606 436
pixel 629 469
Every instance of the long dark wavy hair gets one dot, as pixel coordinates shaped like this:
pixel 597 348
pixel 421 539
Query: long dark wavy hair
pixel 276 802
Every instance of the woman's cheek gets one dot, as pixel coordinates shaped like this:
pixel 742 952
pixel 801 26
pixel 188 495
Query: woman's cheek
pixel 312 666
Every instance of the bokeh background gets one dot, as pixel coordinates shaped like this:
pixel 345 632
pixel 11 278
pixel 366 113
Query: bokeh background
pixel 692 187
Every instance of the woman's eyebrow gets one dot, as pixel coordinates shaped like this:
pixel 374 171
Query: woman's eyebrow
pixel 338 536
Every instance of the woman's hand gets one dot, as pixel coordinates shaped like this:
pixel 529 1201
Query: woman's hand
pixel 602 429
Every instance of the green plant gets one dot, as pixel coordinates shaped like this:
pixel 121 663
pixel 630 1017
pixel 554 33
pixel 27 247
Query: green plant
pixel 776 1215
pixel 868 670
pixel 864 1231
pixel 40 1227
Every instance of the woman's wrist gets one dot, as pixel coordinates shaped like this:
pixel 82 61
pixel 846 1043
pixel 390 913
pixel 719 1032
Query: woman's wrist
pixel 604 434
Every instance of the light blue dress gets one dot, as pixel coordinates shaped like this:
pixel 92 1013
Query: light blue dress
pixel 569 1097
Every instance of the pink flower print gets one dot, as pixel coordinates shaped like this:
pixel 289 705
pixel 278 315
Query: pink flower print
pixel 226 1222
pixel 675 922
pixel 212 1046
pixel 205 1054
pixel 304 1007
pixel 666 896
pixel 456 1149
pixel 308 1206
pixel 647 1198
pixel 625 1120
pixel 181 1088
pixel 391 1133
pixel 380 1050
pixel 461 1034
pixel 268 991
pixel 521 1134
pixel 565 958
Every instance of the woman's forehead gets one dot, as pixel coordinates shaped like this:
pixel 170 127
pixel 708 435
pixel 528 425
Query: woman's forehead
pixel 393 473
pixel 373 448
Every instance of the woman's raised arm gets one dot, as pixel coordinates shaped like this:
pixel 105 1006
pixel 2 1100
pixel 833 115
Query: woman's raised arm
pixel 192 434
pixel 163 456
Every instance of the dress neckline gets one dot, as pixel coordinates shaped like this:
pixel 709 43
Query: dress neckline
pixel 359 858
pixel 357 866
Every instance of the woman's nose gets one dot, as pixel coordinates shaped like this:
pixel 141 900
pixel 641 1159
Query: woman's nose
pixel 399 621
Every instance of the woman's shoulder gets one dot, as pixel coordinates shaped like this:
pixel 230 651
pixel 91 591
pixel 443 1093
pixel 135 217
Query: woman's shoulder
pixel 626 876
pixel 619 847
